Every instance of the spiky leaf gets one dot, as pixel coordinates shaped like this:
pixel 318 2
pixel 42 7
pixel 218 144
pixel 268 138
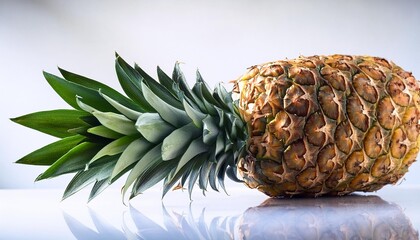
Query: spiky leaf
pixel 50 153
pixel 54 122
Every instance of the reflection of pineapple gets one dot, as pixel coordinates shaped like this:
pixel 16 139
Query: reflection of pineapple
pixel 311 126
pixel 350 217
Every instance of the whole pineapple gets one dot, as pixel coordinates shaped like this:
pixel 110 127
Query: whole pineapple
pixel 309 126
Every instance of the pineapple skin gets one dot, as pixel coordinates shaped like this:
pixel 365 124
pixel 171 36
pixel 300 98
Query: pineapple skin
pixel 328 125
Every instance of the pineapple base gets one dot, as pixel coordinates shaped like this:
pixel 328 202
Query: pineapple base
pixel 267 177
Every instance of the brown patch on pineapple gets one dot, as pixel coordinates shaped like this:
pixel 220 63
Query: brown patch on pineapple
pixel 326 159
pixel 373 142
pixel 340 63
pixel 258 126
pixel 356 113
pixel 272 170
pixel 326 98
pixel 334 78
pixel 280 126
pixel 364 88
pixel 343 138
pixel 398 143
pixel 302 76
pixel 360 181
pixel 307 177
pixel 410 158
pixel 294 155
pixel 383 62
pixel 335 178
pixel 295 103
pixel 314 129
pixel 273 147
pixel 273 70
pixel 354 163
pixel 372 71
pixel 381 167
pixel 255 146
pixel 385 113
pixel 410 121
pixel 396 89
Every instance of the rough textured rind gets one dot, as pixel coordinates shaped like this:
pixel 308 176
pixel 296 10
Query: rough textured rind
pixel 328 125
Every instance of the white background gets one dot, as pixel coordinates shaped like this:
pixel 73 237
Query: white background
pixel 220 38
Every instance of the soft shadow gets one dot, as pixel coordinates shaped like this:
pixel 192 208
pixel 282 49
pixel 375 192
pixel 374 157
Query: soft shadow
pixel 350 217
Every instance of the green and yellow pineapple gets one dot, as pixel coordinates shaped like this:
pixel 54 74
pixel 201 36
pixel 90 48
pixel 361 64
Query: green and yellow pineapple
pixel 320 125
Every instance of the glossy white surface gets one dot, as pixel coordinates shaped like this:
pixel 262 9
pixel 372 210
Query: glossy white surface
pixel 391 213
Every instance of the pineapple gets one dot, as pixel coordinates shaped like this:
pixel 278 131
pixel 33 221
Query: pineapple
pixel 320 125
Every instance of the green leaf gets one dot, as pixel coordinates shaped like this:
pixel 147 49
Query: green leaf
pixel 176 142
pixel 231 173
pixel 169 113
pixel 54 122
pixel 116 122
pixel 212 178
pixel 97 188
pixel 210 130
pixel 131 155
pixel 221 176
pixel 130 82
pixel 85 178
pixel 150 177
pixel 52 152
pixel 151 158
pixel 204 175
pixel 220 144
pixel 69 90
pixel 195 115
pixel 152 127
pixel 196 147
pixel 73 161
pixel 166 81
pixel 98 86
pixel 222 97
pixel 208 107
pixel 191 155
pixel 128 112
pixel 160 90
pixel 195 170
pixel 179 78
pixel 173 177
pixel 105 132
pixel 113 148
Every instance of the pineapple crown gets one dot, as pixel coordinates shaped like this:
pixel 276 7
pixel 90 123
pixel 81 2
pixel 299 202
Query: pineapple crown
pixel 161 131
